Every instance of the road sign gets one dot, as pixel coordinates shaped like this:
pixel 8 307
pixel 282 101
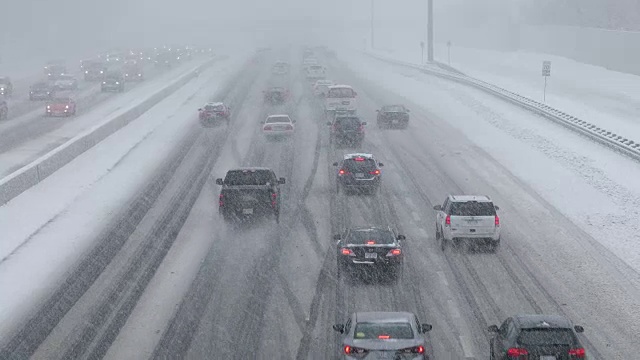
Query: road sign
pixel 546 68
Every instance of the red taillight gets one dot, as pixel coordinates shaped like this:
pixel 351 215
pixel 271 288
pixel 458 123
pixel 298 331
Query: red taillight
pixel 343 172
pixel 375 172
pixel 384 337
pixel 347 349
pixel 419 349
pixel 517 352
pixel 274 199
pixel 221 201
pixel 347 252
pixel 578 353
pixel 497 221
pixel 394 252
pixel 268 128
pixel 359 159
pixel 371 242
pixel 447 220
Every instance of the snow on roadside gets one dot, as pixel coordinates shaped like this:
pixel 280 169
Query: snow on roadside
pixel 607 98
pixel 595 187
pixel 65 211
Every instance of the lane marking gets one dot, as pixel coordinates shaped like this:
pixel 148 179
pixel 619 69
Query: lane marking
pixel 466 346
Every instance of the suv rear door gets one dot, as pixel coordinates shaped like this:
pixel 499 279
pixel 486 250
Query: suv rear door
pixel 359 170
pixel 472 217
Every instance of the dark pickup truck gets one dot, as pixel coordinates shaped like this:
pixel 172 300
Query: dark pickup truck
pixel 250 192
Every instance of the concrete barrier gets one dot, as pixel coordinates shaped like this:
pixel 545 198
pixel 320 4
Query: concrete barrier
pixel 620 143
pixel 28 176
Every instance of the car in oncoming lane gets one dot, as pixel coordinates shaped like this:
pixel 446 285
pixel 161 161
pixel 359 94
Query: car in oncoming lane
pixel 6 86
pixel 537 336
pixel 383 335
pixel 41 91
pixel 278 126
pixel 359 173
pixel 372 251
pixel 65 82
pixel 61 106
pixel 471 218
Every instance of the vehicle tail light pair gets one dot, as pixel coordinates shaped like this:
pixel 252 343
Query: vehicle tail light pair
pixel 347 252
pixel 221 200
pixel 577 353
pixel 414 350
pixel 447 220
pixel 375 172
pixel 351 350
pixel 274 200
pixel 497 221
pixel 517 353
pixel 394 252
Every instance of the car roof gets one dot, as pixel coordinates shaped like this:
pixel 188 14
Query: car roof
pixel 354 155
pixel 533 321
pixel 277 115
pixel 324 82
pixel 464 198
pixel 384 316
pixel 249 168
pixel 341 87
pixel 392 105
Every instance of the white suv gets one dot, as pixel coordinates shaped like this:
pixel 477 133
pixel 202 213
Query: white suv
pixel 468 217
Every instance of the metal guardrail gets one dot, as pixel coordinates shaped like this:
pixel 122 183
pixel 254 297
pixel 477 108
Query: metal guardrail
pixel 615 141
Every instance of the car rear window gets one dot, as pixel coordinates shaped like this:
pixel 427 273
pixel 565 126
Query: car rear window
pixel 247 177
pixel 393 108
pixel 357 237
pixel 365 165
pixel 277 119
pixel 214 108
pixel 368 330
pixel 348 122
pixel 341 93
pixel 472 208
pixel 546 337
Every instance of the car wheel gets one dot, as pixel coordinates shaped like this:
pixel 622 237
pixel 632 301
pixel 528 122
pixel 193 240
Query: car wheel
pixel 491 356
pixel 443 242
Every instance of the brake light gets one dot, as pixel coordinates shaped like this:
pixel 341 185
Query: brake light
pixel 347 252
pixel 371 242
pixel 221 200
pixel 414 350
pixel 447 220
pixel 268 127
pixel 358 159
pixel 394 252
pixel 353 350
pixel 384 337
pixel 517 352
pixel 343 172
pixel 274 199
pixel 497 221
pixel 347 349
pixel 375 172
pixel 577 353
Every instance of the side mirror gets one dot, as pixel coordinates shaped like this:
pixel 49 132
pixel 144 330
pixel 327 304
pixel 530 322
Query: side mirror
pixel 496 207
pixel 380 164
pixel 578 329
pixel 438 207
pixel 425 327
pixel 335 164
pixel 281 181
pixel 364 123
pixel 337 237
pixel 493 328
pixel 339 328
pixel 329 123
pixel 219 181
pixel 401 237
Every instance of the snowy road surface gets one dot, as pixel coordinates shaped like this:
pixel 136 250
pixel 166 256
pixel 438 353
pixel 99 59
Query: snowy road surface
pixel 164 277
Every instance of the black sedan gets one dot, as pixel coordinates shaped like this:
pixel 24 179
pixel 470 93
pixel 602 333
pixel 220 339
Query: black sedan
pixel 375 251
pixel 41 91
pixel 393 116
pixel 276 95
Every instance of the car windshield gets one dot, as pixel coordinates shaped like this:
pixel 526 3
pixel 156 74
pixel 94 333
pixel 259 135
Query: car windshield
pixel 472 208
pixel 214 107
pixel 546 337
pixel 247 177
pixel 364 236
pixel 383 330
pixel 277 119
pixel 341 93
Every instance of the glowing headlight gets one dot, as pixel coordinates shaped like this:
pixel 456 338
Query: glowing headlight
pixel 104 82
pixel 117 83
pixel 101 71
pixel 48 106
pixel 86 71
pixel 66 106
pixel 1 89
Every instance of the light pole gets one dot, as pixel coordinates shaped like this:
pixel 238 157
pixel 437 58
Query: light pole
pixel 429 30
pixel 373 46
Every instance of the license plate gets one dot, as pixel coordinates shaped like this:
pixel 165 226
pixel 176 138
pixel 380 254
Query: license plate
pixel 359 175
pixel 543 357
pixel 370 255
pixel 247 211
